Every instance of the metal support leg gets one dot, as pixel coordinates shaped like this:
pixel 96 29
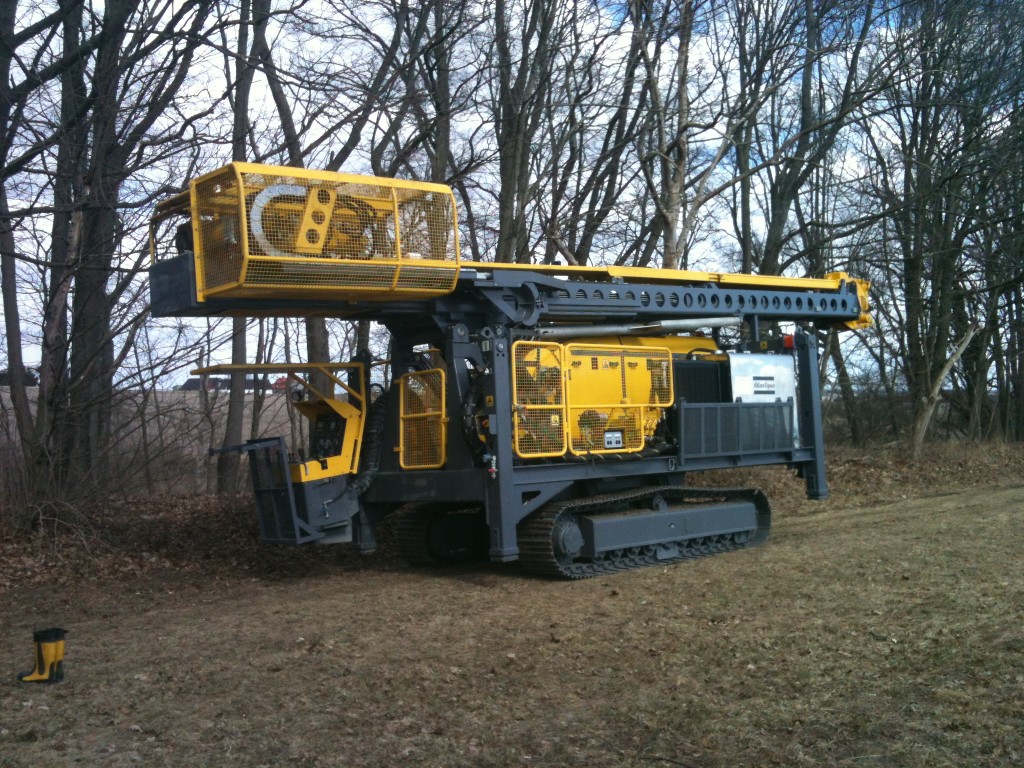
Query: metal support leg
pixel 502 502
pixel 811 423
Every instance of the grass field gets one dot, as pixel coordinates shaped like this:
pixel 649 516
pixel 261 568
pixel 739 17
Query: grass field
pixel 872 630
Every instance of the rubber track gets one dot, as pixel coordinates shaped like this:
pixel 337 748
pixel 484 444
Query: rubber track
pixel 537 553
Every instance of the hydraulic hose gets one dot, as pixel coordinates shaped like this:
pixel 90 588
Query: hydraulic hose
pixel 372 445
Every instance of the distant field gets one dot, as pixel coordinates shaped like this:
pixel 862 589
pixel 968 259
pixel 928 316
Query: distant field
pixel 171 453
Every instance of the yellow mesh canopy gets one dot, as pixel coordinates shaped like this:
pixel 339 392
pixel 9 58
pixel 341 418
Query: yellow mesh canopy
pixel 268 232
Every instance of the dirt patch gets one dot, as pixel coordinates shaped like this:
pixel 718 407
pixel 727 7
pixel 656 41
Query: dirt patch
pixel 872 630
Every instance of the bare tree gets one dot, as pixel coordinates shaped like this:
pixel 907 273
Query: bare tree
pixel 591 119
pixel 935 172
pixel 240 79
pixel 837 79
pixel 114 78
pixel 520 53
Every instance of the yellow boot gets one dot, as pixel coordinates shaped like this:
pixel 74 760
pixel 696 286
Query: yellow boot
pixel 49 657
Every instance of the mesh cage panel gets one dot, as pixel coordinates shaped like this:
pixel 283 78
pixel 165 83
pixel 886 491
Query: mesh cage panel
pixel 320 234
pixel 215 212
pixel 427 235
pixel 538 399
pixel 616 396
pixel 422 440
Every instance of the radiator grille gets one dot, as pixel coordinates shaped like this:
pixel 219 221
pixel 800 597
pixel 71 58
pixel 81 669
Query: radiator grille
pixel 538 396
pixel 727 429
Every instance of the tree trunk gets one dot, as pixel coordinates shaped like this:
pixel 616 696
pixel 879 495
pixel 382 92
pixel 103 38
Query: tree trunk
pixel 51 435
pixel 228 461
pixel 12 325
pixel 515 112
pixel 847 393
pixel 927 409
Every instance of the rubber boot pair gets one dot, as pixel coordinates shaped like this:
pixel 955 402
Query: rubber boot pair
pixel 49 657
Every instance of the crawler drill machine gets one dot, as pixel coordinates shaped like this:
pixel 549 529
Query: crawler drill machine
pixel 541 413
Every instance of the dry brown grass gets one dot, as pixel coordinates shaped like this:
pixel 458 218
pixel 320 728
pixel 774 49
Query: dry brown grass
pixel 872 630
